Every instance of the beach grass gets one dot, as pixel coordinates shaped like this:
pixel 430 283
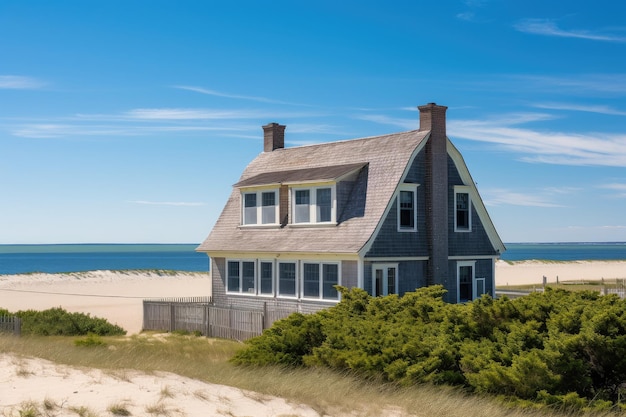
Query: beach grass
pixel 329 393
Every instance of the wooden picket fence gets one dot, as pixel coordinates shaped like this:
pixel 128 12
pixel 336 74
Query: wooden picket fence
pixel 10 324
pixel 198 314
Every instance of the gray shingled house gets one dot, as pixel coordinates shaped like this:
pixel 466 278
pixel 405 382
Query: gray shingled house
pixel 387 214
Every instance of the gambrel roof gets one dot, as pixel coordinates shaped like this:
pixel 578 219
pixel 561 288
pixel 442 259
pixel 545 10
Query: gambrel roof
pixel 380 161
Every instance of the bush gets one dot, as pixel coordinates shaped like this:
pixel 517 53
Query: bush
pixel 58 322
pixel 558 348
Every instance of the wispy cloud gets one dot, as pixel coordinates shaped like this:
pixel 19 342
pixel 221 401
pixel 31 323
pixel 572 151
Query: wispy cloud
pixel 597 149
pixel 403 123
pixel 192 114
pixel 547 27
pixel 215 93
pixel 168 203
pixel 497 197
pixel 18 82
pixel 618 188
pixel 581 108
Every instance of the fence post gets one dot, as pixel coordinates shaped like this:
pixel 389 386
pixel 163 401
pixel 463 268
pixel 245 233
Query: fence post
pixel 172 317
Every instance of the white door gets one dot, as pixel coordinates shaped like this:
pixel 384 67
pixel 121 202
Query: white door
pixel 385 279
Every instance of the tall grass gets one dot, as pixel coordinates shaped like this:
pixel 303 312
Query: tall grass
pixel 329 393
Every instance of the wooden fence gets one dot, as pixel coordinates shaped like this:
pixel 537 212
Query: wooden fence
pixel 200 315
pixel 10 324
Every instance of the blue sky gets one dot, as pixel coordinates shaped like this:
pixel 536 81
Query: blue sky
pixel 129 121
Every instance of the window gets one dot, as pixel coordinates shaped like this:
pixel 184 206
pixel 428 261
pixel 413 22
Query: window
pixel 470 286
pixel 287 279
pixel 319 280
pixel 407 209
pixel 241 277
pixel 463 218
pixel 260 207
pixel 314 205
pixel 385 279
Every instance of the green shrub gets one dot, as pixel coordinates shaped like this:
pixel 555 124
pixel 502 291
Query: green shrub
pixel 58 322
pixel 560 349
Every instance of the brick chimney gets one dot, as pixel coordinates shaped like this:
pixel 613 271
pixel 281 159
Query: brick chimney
pixel 433 118
pixel 273 137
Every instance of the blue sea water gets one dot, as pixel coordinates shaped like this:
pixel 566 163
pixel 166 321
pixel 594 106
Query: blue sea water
pixel 18 259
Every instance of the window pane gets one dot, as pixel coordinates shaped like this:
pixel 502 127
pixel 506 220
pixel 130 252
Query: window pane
pixel 407 209
pixel 462 210
pixel 247 278
pixel 324 204
pixel 311 280
pixel 287 278
pixel 379 282
pixel 268 211
pixel 233 276
pixel 266 278
pixel 301 210
pixel 249 211
pixel 465 283
pixel 330 279
pixel 391 280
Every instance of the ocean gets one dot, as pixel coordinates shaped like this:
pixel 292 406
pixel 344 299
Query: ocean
pixel 19 259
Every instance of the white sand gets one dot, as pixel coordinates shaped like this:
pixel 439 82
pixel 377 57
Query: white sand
pixel 65 390
pixel 532 272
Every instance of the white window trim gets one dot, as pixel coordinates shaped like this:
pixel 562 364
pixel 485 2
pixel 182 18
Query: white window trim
pixel 241 292
pixel 385 266
pixel 259 208
pixel 321 278
pixel 413 189
pixel 463 189
pixel 313 206
pixel 458 279
pixel 297 279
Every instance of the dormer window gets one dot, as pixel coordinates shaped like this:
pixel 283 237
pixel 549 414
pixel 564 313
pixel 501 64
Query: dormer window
pixel 260 207
pixel 314 205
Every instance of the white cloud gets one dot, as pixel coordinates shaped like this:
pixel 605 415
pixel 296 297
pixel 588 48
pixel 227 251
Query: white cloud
pixel 19 82
pixel 581 108
pixel 497 197
pixel 168 203
pixel 619 189
pixel 215 93
pixel 190 114
pixel 593 149
pixel 548 27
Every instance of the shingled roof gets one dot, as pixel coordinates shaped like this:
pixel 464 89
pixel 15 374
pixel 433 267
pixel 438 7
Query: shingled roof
pixel 382 161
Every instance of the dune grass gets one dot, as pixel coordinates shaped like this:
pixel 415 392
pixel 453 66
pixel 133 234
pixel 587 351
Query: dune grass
pixel 205 359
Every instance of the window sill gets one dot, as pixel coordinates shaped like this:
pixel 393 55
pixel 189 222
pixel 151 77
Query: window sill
pixel 325 224
pixel 260 226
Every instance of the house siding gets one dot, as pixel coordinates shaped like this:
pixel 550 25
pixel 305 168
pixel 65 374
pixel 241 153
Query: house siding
pixel 483 268
pixel 411 274
pixel 389 241
pixel 474 243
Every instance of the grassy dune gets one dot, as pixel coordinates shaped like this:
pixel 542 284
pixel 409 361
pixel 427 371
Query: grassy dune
pixel 207 359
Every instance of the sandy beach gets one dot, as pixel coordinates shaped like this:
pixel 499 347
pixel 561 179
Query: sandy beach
pixel 117 296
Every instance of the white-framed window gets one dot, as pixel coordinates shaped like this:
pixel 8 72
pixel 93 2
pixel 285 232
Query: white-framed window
pixel 384 279
pixel 260 207
pixel 241 276
pixel 462 209
pixel 287 279
pixel 314 205
pixel 407 208
pixel 319 280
